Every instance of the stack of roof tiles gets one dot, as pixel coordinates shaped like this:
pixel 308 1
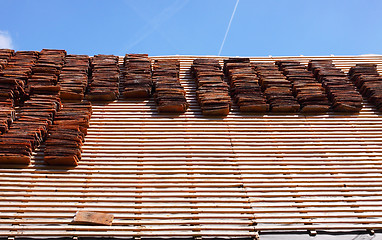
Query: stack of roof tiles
pixel 12 81
pixel 29 129
pixel 212 92
pixel 138 82
pixel 5 54
pixel 169 95
pixel 46 72
pixel 104 82
pixel 367 79
pixel 309 93
pixel 277 89
pixel 66 134
pixel 15 75
pixel 36 114
pixel 244 85
pixel 73 78
pixel 340 91
pixel 7 112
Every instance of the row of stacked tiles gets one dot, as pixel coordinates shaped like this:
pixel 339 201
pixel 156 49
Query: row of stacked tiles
pixel 40 85
pixel 284 86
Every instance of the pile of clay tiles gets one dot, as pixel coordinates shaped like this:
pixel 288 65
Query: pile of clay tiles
pixel 212 92
pixel 7 112
pixel 29 129
pixel 277 89
pixel 13 78
pixel 367 79
pixel 46 71
pixel 35 115
pixel 137 82
pixel 309 93
pixel 73 78
pixel 104 81
pixel 66 134
pixel 169 94
pixel 244 85
pixel 340 91
pixel 5 55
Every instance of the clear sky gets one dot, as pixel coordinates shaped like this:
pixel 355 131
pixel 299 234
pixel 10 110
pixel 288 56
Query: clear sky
pixel 194 27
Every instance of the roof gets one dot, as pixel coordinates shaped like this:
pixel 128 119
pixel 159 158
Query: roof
pixel 190 175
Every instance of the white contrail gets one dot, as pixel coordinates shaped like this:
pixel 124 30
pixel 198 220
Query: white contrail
pixel 154 23
pixel 229 26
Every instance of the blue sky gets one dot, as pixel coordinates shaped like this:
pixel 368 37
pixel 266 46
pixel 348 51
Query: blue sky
pixel 194 27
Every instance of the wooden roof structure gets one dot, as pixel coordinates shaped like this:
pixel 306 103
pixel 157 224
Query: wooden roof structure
pixel 190 175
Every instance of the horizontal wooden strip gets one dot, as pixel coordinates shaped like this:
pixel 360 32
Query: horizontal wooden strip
pixel 139 232
pixel 247 180
pixel 120 222
pixel 234 188
pixel 87 162
pixel 147 168
pixel 297 215
pixel 204 215
pixel 222 149
pixel 189 175
pixel 171 205
pixel 315 184
pixel 126 228
pixel 191 170
pixel 215 200
pixel 191 194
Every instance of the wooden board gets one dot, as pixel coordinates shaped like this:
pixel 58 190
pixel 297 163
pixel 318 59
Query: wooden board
pixel 188 175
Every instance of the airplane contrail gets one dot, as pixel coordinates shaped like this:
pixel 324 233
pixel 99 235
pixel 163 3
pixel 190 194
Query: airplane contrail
pixel 229 26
